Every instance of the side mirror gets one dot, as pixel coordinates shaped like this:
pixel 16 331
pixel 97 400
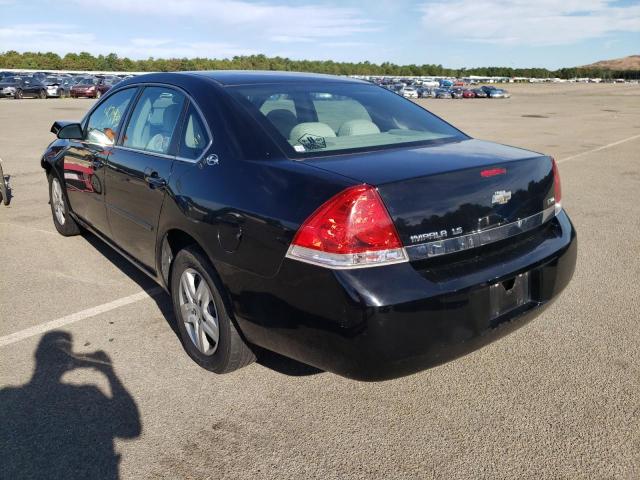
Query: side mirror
pixel 68 130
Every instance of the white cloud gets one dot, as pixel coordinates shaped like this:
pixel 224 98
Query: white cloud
pixel 41 37
pixel 276 22
pixel 62 39
pixel 525 22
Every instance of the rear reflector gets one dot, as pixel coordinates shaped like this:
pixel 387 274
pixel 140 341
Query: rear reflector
pixel 492 172
pixel 352 229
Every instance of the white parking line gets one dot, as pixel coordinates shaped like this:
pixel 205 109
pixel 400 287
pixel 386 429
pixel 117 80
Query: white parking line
pixel 598 149
pixel 75 317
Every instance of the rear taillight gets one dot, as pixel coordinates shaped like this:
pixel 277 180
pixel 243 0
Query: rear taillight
pixel 352 229
pixel 557 189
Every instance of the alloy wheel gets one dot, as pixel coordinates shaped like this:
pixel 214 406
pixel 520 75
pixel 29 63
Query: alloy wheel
pixel 199 312
pixel 58 201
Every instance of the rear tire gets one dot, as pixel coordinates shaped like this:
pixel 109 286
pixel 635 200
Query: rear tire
pixel 98 94
pixel 18 95
pixel 64 223
pixel 207 332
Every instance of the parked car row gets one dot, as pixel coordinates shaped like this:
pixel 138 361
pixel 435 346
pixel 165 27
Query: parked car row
pixel 449 91
pixel 438 88
pixel 44 85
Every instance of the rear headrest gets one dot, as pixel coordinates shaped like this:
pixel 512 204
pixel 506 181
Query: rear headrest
pixel 284 120
pixel 357 127
pixel 310 128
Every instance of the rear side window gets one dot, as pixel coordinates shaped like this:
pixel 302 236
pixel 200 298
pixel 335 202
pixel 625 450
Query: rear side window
pixel 103 124
pixel 194 138
pixel 153 122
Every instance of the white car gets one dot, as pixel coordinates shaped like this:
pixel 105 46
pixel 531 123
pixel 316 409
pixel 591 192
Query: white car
pixel 410 92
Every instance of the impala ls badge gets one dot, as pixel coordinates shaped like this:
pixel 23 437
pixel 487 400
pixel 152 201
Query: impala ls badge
pixel 501 197
pixel 433 236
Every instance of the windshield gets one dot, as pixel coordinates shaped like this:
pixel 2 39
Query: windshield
pixel 322 118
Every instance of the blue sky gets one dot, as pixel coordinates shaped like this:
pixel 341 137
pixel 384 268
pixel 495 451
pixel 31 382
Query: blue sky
pixel 454 33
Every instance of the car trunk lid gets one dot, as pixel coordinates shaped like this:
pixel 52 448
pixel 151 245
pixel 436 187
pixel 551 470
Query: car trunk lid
pixel 455 190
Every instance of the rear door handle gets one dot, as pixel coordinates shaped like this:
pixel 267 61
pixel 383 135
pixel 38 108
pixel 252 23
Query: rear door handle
pixel 153 179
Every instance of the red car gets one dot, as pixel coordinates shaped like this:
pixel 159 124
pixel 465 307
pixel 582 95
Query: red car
pixel 466 93
pixel 87 87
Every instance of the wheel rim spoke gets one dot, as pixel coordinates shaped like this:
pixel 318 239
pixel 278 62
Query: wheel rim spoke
pixel 199 336
pixel 188 288
pixel 211 329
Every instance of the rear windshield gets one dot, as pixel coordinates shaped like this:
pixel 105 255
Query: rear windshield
pixel 310 120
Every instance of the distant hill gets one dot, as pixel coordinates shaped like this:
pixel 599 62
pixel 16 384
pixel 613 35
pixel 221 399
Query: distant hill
pixel 632 62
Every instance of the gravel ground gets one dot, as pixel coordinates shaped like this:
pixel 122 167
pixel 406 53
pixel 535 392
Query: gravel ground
pixel 559 398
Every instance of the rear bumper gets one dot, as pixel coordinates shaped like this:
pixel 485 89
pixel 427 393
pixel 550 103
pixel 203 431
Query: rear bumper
pixel 385 322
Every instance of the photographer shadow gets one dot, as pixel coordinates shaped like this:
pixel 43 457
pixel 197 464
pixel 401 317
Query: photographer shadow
pixel 51 429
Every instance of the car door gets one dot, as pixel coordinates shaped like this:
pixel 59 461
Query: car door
pixel 28 87
pixel 84 161
pixel 139 168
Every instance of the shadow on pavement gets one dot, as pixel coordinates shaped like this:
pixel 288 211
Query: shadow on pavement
pixel 50 429
pixel 268 359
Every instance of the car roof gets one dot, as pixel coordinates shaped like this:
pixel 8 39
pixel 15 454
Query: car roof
pixel 244 77
pixel 256 77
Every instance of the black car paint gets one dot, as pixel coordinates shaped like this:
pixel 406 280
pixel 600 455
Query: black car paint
pixel 244 209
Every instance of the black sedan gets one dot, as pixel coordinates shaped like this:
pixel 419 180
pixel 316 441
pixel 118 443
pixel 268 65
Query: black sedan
pixel 480 93
pixel 320 217
pixel 20 87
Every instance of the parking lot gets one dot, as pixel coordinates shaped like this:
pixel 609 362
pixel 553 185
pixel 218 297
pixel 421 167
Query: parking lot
pixel 559 398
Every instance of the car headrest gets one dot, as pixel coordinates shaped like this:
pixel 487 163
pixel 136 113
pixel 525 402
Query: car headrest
pixel 284 120
pixel 357 127
pixel 318 129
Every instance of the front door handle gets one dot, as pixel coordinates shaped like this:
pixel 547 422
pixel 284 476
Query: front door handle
pixel 153 179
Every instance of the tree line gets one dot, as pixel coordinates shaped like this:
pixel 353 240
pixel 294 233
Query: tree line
pixel 112 62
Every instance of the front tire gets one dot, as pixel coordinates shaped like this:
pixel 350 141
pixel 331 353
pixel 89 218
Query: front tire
pixel 18 95
pixel 98 94
pixel 42 94
pixel 65 225
pixel 207 332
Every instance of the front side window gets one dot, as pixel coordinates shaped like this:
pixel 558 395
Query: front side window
pixel 103 124
pixel 154 120
pixel 194 138
pixel 325 118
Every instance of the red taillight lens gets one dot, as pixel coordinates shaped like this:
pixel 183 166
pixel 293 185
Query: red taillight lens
pixel 557 189
pixel 351 229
